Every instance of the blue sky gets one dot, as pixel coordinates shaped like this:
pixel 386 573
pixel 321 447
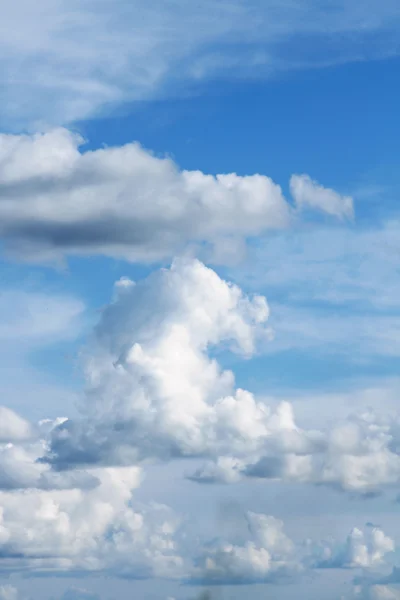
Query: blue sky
pixel 164 432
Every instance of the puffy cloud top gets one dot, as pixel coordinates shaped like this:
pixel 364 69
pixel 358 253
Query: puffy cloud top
pixel 269 555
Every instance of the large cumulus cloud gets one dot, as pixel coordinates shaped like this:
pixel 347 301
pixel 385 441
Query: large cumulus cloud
pixel 126 202
pixel 155 390
pixel 122 201
pixel 152 390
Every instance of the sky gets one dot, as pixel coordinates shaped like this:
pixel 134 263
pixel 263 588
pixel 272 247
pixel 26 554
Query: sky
pixel 199 284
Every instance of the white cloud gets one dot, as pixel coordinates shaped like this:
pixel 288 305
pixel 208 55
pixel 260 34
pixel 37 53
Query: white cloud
pixel 376 592
pixel 310 194
pixel 22 445
pixel 151 388
pixel 88 530
pixel 125 202
pixel 269 555
pixel 363 550
pixel 13 427
pixel 74 58
pixel 359 455
pixel 152 391
pixel 122 201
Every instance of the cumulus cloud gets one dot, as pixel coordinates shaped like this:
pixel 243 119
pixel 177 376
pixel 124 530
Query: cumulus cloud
pixel 88 530
pixel 268 556
pixel 154 390
pixel 358 455
pixel 87 521
pixel 76 521
pixel 126 202
pixel 122 201
pixel 21 468
pixel 310 194
pixel 363 549
pixel 22 445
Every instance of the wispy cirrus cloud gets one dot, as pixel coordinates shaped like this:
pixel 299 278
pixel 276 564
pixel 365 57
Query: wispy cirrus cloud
pixel 331 290
pixel 67 61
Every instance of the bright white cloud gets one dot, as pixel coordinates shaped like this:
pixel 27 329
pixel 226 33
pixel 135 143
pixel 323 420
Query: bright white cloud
pixel 151 387
pixel 154 392
pixel 74 58
pixel 88 530
pixel 310 194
